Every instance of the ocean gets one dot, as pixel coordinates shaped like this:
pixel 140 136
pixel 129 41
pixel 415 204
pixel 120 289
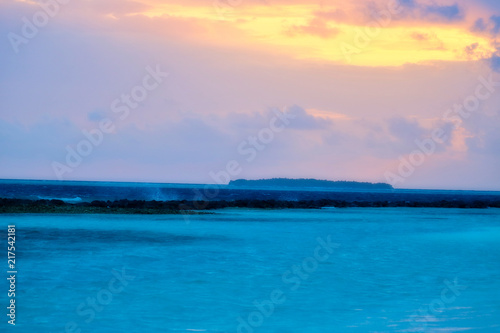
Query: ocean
pixel 87 191
pixel 245 271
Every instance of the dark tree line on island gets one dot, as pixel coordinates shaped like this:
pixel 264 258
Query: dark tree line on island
pixel 309 182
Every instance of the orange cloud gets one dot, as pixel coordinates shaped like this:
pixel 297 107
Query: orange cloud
pixel 366 33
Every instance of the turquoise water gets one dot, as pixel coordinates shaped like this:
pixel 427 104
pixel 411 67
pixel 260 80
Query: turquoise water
pixel 381 270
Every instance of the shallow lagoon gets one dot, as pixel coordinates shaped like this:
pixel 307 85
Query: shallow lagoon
pixel 388 270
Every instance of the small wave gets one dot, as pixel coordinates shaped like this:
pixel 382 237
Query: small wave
pixel 67 200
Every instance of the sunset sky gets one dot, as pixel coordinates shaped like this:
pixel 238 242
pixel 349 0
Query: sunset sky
pixel 366 84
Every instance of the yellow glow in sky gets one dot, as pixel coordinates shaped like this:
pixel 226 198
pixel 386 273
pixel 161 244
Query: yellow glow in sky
pixel 284 29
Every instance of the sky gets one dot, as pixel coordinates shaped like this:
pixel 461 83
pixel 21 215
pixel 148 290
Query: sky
pixel 203 91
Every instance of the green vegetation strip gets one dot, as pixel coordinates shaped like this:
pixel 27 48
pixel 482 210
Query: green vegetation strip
pixel 201 207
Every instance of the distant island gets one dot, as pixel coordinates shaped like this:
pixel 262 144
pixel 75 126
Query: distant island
pixel 302 182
